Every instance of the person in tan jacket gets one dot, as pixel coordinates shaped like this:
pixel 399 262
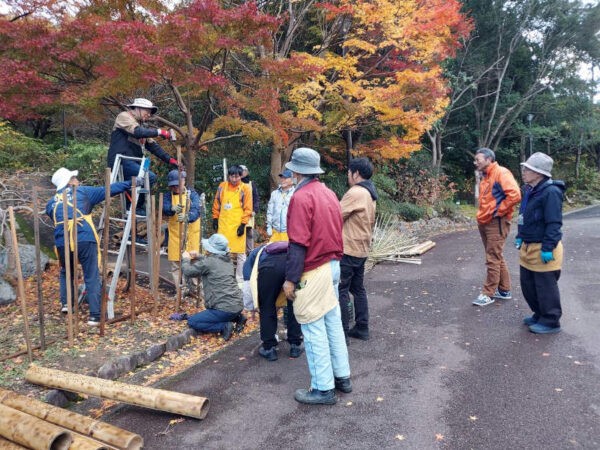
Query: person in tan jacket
pixel 358 212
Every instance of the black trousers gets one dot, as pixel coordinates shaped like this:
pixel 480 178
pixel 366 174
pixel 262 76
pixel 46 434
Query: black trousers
pixel 352 274
pixel 540 290
pixel 271 276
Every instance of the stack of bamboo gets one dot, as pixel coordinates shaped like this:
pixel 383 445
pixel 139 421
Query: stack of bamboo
pixel 29 423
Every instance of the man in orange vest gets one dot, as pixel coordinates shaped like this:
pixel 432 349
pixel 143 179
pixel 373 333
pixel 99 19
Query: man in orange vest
pixel 498 195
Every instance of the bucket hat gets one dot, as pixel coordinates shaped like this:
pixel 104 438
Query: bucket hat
pixel 540 162
pixel 305 161
pixel 62 177
pixel 217 244
pixel 173 177
pixel 287 173
pixel 143 103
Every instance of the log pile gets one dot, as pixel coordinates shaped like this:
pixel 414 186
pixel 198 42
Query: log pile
pixel 84 432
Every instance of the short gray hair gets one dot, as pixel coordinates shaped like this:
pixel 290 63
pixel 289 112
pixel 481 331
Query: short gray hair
pixel 487 153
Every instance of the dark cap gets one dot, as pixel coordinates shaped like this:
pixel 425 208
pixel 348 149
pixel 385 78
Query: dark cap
pixel 287 173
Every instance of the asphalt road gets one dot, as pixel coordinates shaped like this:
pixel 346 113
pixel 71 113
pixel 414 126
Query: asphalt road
pixel 437 372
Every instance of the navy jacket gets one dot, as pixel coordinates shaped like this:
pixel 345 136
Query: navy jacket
pixel 541 212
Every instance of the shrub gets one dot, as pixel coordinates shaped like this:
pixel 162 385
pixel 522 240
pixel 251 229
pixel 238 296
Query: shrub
pixel 411 212
pixel 447 209
pixel 18 151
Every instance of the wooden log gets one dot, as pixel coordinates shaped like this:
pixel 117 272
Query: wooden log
pixel 32 432
pixel 159 399
pixel 70 420
pixel 20 284
pixel 8 445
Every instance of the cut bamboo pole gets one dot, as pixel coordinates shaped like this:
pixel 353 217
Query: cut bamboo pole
pixel 8 445
pixel 20 284
pixel 173 402
pixel 70 420
pixel 32 432
pixel 86 443
pixel 67 252
pixel 180 236
pixel 38 268
pixel 133 248
pixel 75 274
pixel 159 242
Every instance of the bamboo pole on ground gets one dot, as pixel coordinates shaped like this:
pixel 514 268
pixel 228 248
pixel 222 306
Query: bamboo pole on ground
pixel 133 248
pixel 159 399
pixel 8 445
pixel 32 432
pixel 86 443
pixel 84 425
pixel 38 268
pixel 20 285
pixel 105 235
pixel 67 258
pixel 75 274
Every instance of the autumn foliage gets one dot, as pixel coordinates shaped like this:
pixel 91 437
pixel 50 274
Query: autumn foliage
pixel 220 65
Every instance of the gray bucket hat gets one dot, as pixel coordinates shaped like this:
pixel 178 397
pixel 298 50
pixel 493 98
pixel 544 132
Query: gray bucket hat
pixel 173 177
pixel 539 162
pixel 143 103
pixel 217 244
pixel 305 161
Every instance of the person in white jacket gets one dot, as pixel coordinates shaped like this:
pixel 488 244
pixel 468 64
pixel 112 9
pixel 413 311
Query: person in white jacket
pixel 278 206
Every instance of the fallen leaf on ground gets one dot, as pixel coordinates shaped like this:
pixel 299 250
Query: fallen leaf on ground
pixel 439 437
pixel 400 437
pixel 379 399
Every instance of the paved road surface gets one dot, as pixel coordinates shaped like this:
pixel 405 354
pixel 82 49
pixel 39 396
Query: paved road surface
pixel 437 372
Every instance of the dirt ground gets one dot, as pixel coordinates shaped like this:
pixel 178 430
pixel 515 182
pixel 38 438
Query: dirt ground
pixel 90 350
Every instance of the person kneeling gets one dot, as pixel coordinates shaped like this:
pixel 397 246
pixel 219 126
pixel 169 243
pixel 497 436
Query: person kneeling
pixel 222 296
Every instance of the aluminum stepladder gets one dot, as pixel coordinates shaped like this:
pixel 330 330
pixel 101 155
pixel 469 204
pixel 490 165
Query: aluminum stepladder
pixel 116 176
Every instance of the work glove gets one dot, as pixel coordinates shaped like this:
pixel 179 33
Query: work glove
pixel 269 231
pixel 547 257
pixel 167 134
pixel 174 162
pixel 241 229
pixel 215 224
pixel 518 243
pixel 182 217
pixel 177 209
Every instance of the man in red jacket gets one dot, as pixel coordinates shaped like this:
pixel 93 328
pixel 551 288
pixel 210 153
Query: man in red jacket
pixel 314 222
pixel 498 195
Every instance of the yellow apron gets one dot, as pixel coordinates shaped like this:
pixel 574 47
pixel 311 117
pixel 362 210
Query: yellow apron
pixel 193 230
pixel 80 217
pixel 279 236
pixel 230 218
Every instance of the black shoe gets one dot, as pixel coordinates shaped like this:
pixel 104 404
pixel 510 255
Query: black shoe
pixel 343 384
pixel 316 397
pixel 359 333
pixel 269 355
pixel 94 321
pixel 227 331
pixel 296 350
pixel 240 323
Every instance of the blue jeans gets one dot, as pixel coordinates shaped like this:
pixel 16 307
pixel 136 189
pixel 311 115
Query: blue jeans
pixel 325 344
pixel 87 253
pixel 211 320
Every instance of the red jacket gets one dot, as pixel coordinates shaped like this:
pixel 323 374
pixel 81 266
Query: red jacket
pixel 498 194
pixel 314 221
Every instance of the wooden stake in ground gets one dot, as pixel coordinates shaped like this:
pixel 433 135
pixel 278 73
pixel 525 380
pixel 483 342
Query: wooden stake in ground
pixel 159 399
pixel 105 232
pixel 181 240
pixel 158 244
pixel 133 248
pixel 70 420
pixel 20 285
pixel 75 275
pixel 67 258
pixel 38 268
pixel 32 432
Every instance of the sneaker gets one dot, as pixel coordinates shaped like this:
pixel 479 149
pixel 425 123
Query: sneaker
pixel 269 355
pixel 227 331
pixel 296 350
pixel 359 333
pixel 529 321
pixel 240 323
pixel 538 328
pixel 94 321
pixel 502 295
pixel 316 397
pixel 64 309
pixel 483 300
pixel 343 384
